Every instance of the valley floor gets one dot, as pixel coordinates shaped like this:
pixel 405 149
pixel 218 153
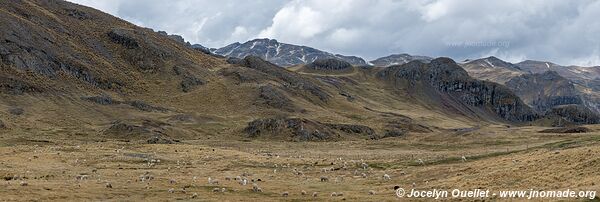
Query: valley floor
pixel 497 158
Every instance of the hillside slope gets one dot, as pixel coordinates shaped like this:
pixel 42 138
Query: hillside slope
pixel 72 71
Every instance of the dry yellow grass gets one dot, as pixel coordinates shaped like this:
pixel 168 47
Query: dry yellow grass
pixel 515 158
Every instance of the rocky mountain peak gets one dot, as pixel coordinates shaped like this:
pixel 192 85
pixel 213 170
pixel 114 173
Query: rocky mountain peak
pixel 494 62
pixel 399 59
pixel 282 54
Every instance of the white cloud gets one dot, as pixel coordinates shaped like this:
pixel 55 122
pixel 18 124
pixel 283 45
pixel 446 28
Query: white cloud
pixel 435 10
pixel 564 32
pixel 295 21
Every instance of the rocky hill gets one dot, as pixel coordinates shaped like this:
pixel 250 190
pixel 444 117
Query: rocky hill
pixel 553 94
pixel 444 82
pixel 545 90
pixel 282 54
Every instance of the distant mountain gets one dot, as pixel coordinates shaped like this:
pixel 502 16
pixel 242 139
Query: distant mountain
pixel 399 59
pixel 442 82
pixel 585 76
pixel 545 90
pixel 282 54
pixel 548 92
pixel 492 69
pixel 541 87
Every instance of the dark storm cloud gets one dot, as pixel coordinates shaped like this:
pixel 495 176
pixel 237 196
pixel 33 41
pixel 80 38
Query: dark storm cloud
pixel 561 31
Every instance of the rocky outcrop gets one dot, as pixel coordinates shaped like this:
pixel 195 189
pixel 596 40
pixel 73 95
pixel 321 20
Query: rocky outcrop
pixel 395 133
pixel 102 100
pixel 137 104
pixel 354 129
pixel 298 129
pixel 570 129
pixel 143 106
pixel 201 48
pixel 124 37
pixel 151 132
pixel 123 128
pixel 188 81
pixel 181 40
pixel 575 114
pixel 282 54
pixel 445 77
pixel 329 64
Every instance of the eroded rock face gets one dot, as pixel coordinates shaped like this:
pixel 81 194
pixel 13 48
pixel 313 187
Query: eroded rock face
pixel 299 129
pixel 445 77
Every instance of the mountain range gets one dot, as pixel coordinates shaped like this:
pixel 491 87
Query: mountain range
pixel 66 67
pixel 543 85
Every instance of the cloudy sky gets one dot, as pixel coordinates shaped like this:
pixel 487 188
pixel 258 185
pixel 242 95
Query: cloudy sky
pixel 565 32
